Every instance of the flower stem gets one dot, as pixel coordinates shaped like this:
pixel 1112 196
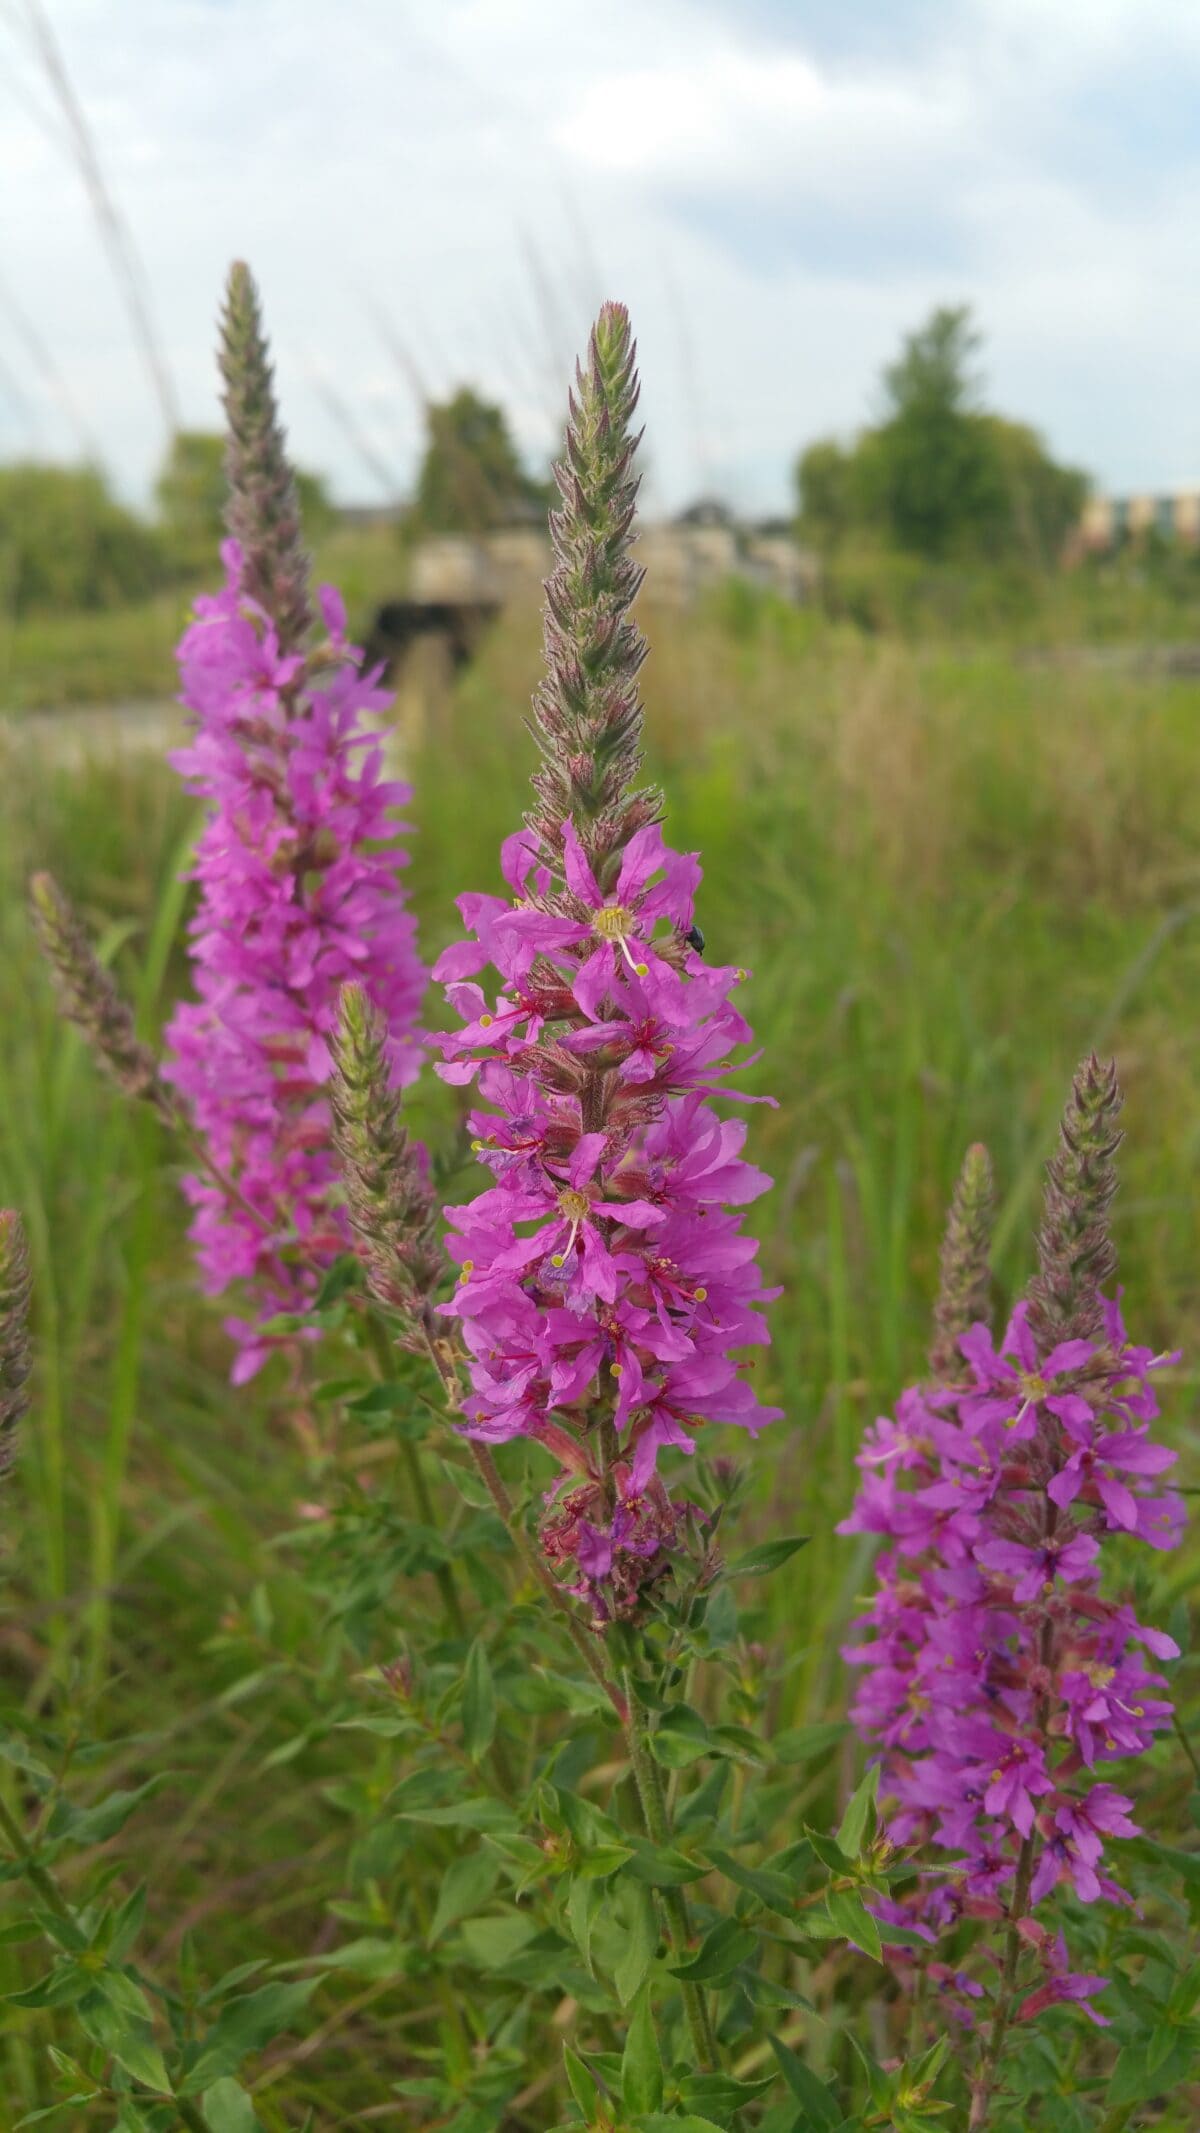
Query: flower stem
pixel 444 1578
pixel 35 1873
pixel 989 2072
pixel 674 1903
pixel 584 1645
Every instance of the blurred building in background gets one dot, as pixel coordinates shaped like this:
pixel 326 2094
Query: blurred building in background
pixel 1108 522
pixel 685 557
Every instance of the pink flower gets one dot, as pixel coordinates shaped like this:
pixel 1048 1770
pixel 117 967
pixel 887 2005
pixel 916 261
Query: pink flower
pixel 297 866
pixel 604 1269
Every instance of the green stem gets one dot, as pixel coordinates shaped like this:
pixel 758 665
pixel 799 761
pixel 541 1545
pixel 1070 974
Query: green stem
pixel 32 1868
pixel 989 2072
pixel 381 1349
pixel 584 1645
pixel 674 1903
pixel 1185 1743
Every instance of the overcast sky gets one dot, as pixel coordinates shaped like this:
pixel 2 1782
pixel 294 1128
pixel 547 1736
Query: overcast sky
pixel 777 188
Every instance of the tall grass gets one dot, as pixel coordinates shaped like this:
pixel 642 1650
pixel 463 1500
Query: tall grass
pixel 949 875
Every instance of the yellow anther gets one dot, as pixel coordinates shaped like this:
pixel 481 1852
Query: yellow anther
pixel 612 922
pixel 485 1021
pixel 574 1205
pixel 699 1295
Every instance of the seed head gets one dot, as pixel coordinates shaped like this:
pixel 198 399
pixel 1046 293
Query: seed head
pixel 587 712
pixel 16 1354
pixel 388 1194
pixel 965 1273
pixel 263 511
pixel 89 996
pixel 1076 1254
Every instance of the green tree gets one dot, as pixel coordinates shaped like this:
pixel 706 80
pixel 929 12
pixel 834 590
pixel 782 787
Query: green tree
pixel 471 476
pixel 825 494
pixel 940 477
pixel 66 543
pixel 191 491
pixel 929 469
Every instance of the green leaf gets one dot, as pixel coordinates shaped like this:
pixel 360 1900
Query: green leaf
pixel 858 1822
pixel 344 1274
pixel 828 1852
pixel 244 2025
pixel 817 2099
pixel 368 1957
pixel 94 1825
pixel 606 1859
pixel 466 1886
pixel 21 1930
pixel 663 1866
pixel 482 1813
pixel 583 1905
pixel 492 1942
pixel 768 1556
pixel 582 2085
pixel 850 1915
pixel 802 1744
pixel 126 1925
pixel 60 1987
pixel 682 1738
pixel 725 1946
pixel 228 2109
pixel 720 2095
pixel 641 1945
pixel 479 1703
pixel 641 2063
pixel 120 2024
pixel 773 1889
pixel 674 2122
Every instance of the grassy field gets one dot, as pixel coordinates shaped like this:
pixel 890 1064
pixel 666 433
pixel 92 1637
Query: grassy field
pixel 950 875
pixel 126 655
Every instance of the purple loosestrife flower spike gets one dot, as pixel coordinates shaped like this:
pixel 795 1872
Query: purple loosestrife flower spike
pixel 965 1273
pixel 16 1355
pixel 1076 1255
pixel 89 996
pixel 1000 1681
pixel 612 1329
pixel 298 871
pixel 587 712
pixel 388 1194
pixel 263 511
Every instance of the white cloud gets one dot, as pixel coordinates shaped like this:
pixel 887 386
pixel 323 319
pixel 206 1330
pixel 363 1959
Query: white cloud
pixel 486 170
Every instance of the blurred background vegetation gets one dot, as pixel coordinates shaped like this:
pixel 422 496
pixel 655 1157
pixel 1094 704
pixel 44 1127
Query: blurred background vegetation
pixel 950 819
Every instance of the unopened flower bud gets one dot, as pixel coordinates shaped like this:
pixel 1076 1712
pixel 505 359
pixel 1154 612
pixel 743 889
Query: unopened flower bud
pixel 16 1354
pixel 89 995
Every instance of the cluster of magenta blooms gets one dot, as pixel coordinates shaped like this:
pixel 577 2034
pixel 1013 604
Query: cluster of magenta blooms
pixel 604 1274
pixel 297 869
pixel 999 1684
pixel 603 1270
